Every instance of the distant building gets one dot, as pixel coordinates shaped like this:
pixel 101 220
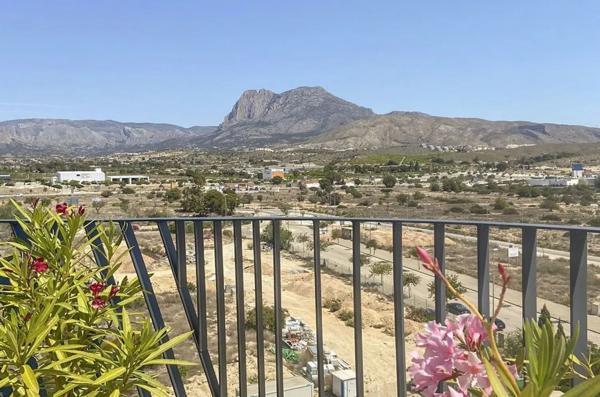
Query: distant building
pixel 129 179
pixel 5 177
pixel 97 175
pixel 553 182
pixel 271 172
pixel 577 170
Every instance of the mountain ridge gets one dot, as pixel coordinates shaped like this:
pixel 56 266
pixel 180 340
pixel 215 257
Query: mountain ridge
pixel 305 116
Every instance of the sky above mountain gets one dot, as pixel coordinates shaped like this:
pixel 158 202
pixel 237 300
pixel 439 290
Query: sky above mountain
pixel 186 62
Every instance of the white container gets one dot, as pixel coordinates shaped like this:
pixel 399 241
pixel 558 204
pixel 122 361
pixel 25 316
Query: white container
pixel 343 383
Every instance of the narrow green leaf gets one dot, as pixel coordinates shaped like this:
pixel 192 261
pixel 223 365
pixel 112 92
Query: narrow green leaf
pixel 589 388
pixel 497 386
pixel 110 375
pixel 29 379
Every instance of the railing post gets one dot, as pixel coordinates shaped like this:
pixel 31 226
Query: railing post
pixel 277 299
pixel 318 306
pixel 356 295
pixel 239 295
pixel 529 285
pixel 399 309
pixel 483 269
pixel 221 325
pixel 578 290
pixel 258 297
pixel 439 235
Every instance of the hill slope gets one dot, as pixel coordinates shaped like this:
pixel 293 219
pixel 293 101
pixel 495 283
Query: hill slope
pixel 402 128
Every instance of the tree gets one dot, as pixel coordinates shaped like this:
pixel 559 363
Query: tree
pixel 98 204
pixel 304 240
pixel 454 282
pixel 435 186
pixel 326 184
pixel 389 181
pixel 259 197
pixel 192 199
pixel 232 201
pixel 285 237
pixel 172 195
pixel 214 202
pixel 380 269
pixel 336 234
pixel 403 198
pixel 372 245
pixel 277 180
pixel 410 280
pixel 363 259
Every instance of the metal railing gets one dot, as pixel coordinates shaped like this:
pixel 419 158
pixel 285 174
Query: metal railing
pixel 197 314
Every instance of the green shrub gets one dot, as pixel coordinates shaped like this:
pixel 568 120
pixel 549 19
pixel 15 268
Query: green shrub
pixel 62 314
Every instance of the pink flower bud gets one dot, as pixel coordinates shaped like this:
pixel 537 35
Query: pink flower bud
pixel 430 264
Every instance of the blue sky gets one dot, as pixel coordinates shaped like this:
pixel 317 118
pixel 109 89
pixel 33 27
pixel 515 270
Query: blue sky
pixel 186 62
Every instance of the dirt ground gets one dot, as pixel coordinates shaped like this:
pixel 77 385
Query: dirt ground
pixel 298 299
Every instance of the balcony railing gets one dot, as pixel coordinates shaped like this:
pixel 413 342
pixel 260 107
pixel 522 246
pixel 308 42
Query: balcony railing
pixel 196 314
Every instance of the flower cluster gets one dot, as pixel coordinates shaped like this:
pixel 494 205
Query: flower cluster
pixel 99 302
pixel 39 265
pixel 63 209
pixel 450 353
pixel 456 351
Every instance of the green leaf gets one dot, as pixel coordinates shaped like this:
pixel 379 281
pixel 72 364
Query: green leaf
pixel 110 375
pixel 589 388
pixel 497 386
pixel 167 345
pixel 29 379
pixel 115 393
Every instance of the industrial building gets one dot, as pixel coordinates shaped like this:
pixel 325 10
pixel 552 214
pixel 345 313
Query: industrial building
pixel 95 176
pixel 271 172
pixel 296 386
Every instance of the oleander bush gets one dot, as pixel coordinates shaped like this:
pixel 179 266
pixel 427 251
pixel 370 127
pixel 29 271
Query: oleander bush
pixel 64 328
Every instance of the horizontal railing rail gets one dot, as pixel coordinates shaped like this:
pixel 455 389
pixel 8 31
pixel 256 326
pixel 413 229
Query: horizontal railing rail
pixel 196 314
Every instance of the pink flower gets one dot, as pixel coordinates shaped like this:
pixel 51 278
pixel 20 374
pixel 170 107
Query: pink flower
pixel 114 290
pixel 450 353
pixel 96 288
pixel 39 265
pixel 430 264
pixel 98 303
pixel 472 331
pixel 61 208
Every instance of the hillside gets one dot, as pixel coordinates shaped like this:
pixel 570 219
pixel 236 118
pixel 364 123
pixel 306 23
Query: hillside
pixel 91 136
pixel 405 128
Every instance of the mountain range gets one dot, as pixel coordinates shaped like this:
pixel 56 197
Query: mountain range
pixel 306 116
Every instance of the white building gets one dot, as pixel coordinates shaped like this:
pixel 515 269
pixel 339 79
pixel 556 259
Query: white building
pixel 129 179
pixel 553 182
pixel 80 176
pixel 577 170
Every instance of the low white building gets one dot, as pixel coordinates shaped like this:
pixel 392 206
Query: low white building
pixel 129 179
pixel 95 176
pixel 553 182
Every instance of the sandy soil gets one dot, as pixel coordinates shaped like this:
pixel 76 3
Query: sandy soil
pixel 298 299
